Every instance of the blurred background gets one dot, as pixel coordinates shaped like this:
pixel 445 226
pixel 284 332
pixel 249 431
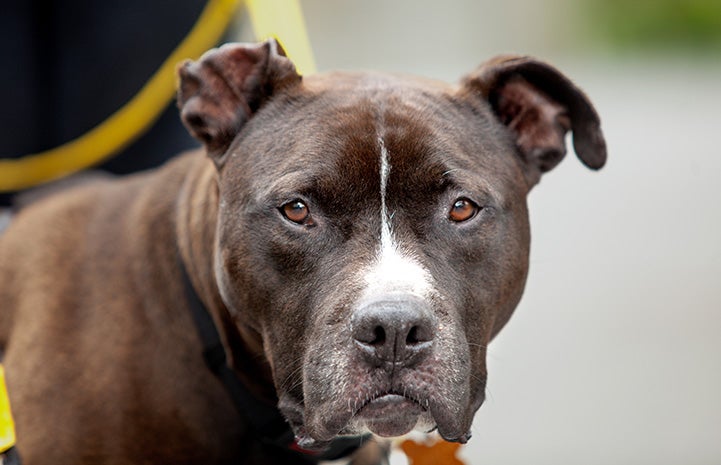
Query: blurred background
pixel 614 354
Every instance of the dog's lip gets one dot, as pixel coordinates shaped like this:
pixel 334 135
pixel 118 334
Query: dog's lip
pixel 387 405
pixel 390 415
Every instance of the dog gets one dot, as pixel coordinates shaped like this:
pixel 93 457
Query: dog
pixel 337 256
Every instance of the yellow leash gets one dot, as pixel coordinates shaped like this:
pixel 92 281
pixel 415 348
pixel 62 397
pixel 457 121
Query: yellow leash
pixel 283 19
pixel 279 18
pixel 7 428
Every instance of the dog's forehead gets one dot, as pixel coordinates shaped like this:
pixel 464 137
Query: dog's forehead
pixel 330 132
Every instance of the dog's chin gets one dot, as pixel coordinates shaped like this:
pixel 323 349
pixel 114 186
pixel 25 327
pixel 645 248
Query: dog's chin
pixel 388 416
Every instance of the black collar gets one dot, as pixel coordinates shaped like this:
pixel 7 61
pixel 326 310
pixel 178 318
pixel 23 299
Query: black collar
pixel 265 421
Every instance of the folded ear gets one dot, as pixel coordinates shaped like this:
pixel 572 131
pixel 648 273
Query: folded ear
pixel 540 105
pixel 226 86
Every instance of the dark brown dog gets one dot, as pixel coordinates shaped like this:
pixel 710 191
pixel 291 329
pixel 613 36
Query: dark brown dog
pixel 357 238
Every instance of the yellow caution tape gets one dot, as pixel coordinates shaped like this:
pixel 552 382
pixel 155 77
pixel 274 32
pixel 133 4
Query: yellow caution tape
pixel 130 121
pixel 7 427
pixel 283 20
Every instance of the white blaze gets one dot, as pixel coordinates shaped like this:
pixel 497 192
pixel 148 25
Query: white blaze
pixel 386 239
pixel 393 270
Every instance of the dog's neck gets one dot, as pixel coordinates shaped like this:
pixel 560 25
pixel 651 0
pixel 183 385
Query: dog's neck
pixel 196 224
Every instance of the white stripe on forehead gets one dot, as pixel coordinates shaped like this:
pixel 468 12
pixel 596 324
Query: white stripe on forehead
pixel 386 240
pixel 393 270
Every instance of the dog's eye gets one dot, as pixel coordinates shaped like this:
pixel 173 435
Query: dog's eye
pixel 297 212
pixel 462 210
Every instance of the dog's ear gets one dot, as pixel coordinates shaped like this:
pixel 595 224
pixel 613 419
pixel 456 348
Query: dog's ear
pixel 540 105
pixel 223 89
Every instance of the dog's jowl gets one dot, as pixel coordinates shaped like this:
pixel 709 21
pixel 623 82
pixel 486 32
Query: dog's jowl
pixel 353 240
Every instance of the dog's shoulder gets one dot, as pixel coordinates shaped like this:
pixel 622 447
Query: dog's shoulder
pixel 55 231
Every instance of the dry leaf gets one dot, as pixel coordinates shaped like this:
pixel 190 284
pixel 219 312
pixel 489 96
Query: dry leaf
pixel 439 453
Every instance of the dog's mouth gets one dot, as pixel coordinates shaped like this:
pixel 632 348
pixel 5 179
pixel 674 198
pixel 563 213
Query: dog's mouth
pixel 385 413
pixel 343 394
pixel 390 414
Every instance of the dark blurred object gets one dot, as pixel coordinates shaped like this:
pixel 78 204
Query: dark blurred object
pixel 69 64
pixel 10 457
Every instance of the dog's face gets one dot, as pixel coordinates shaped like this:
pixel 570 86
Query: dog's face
pixel 373 229
pixel 382 229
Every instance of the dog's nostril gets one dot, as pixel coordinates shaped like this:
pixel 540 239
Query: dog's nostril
pixel 412 337
pixel 379 336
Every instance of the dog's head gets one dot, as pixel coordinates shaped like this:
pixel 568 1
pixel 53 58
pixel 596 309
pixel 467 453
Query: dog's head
pixel 373 228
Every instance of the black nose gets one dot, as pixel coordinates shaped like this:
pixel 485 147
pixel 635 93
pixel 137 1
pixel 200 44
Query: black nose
pixel 394 328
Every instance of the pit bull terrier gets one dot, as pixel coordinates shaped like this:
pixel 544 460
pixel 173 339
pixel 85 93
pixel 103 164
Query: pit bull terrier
pixel 352 241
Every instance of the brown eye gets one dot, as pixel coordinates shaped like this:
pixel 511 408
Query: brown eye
pixel 462 210
pixel 297 212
